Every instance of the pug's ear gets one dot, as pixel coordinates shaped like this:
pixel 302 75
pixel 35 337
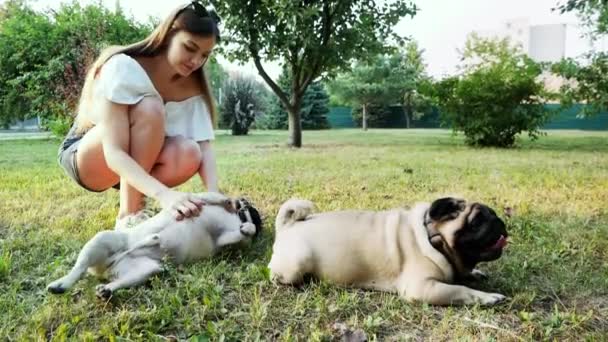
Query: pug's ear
pixel 445 209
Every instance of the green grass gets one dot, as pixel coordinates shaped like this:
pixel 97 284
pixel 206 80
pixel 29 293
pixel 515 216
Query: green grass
pixel 555 270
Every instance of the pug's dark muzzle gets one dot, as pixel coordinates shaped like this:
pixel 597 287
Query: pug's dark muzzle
pixel 494 251
pixel 484 237
pixel 248 213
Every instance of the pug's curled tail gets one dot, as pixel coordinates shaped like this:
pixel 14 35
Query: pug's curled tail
pixel 291 211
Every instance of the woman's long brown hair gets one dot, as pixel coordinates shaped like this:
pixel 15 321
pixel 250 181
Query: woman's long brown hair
pixel 182 18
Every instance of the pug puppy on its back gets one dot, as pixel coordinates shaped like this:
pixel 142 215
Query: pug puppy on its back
pixel 128 257
pixel 419 253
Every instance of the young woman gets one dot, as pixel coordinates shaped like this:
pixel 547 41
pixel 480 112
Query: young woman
pixel 145 118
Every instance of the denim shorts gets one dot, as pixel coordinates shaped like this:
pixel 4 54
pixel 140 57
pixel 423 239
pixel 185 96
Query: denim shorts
pixel 67 159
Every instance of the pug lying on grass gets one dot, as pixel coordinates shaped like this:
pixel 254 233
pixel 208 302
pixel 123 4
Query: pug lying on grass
pixel 419 253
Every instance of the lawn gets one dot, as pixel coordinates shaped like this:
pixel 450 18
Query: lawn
pixel 555 270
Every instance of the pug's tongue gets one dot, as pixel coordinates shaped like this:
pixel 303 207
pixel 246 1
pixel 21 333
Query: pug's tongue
pixel 501 243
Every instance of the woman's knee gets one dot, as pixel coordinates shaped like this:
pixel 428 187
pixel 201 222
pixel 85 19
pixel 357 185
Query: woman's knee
pixel 185 156
pixel 180 159
pixel 149 112
pixel 189 154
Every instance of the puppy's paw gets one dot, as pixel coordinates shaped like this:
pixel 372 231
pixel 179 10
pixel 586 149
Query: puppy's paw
pixel 248 229
pixel 488 299
pixel 103 292
pixel 56 287
pixel 275 278
pixel 478 275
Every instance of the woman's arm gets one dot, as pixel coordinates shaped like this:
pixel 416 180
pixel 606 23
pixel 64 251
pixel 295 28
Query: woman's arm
pixel 116 134
pixel 115 126
pixel 208 168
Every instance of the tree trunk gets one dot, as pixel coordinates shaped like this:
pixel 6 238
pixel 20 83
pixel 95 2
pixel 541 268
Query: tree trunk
pixel 293 109
pixel 295 125
pixel 364 120
pixel 407 110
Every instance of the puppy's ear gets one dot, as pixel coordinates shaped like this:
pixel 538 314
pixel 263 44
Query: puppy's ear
pixel 445 209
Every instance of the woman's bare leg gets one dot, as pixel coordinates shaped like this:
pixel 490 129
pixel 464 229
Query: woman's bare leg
pixel 172 161
pixel 178 161
pixel 147 122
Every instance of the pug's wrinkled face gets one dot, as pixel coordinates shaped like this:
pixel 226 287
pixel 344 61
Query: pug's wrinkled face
pixel 473 230
pixel 248 213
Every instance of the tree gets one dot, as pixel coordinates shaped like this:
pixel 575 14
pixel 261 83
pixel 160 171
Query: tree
pixel 585 83
pixel 315 107
pixel 314 110
pixel 587 80
pixel 24 45
pixel 38 49
pixel 376 115
pixel 593 14
pixel 398 78
pixel 364 86
pixel 406 80
pixel 312 38
pixel 496 97
pixel 241 104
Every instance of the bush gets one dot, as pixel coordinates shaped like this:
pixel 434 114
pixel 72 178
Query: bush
pixel 497 97
pixel 44 56
pixel 587 83
pixel 60 126
pixel 241 104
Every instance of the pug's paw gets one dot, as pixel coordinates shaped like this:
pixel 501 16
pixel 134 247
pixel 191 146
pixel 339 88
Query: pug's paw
pixel 488 299
pixel 248 229
pixel 103 292
pixel 56 287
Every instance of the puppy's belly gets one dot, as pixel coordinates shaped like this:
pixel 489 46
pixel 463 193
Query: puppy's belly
pixel 132 263
pixel 185 244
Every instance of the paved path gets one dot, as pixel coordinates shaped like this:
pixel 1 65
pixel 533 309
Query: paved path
pixel 14 135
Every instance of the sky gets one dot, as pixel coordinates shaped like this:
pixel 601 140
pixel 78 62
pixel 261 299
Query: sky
pixel 440 26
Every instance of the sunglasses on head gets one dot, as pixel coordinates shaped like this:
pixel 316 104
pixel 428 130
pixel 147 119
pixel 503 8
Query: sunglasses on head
pixel 199 9
pixel 202 12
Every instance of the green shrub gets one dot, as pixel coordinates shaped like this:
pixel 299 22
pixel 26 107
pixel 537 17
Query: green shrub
pixel 44 55
pixel 60 126
pixel 240 106
pixel 497 97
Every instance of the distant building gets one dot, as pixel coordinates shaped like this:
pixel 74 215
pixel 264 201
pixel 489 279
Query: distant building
pixel 547 42
pixel 544 43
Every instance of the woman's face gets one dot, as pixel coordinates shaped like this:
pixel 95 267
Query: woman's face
pixel 188 52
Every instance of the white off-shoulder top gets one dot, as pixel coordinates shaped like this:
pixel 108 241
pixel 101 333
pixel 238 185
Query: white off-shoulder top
pixel 123 80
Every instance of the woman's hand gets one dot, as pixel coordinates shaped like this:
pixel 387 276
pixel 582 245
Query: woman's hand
pixel 180 204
